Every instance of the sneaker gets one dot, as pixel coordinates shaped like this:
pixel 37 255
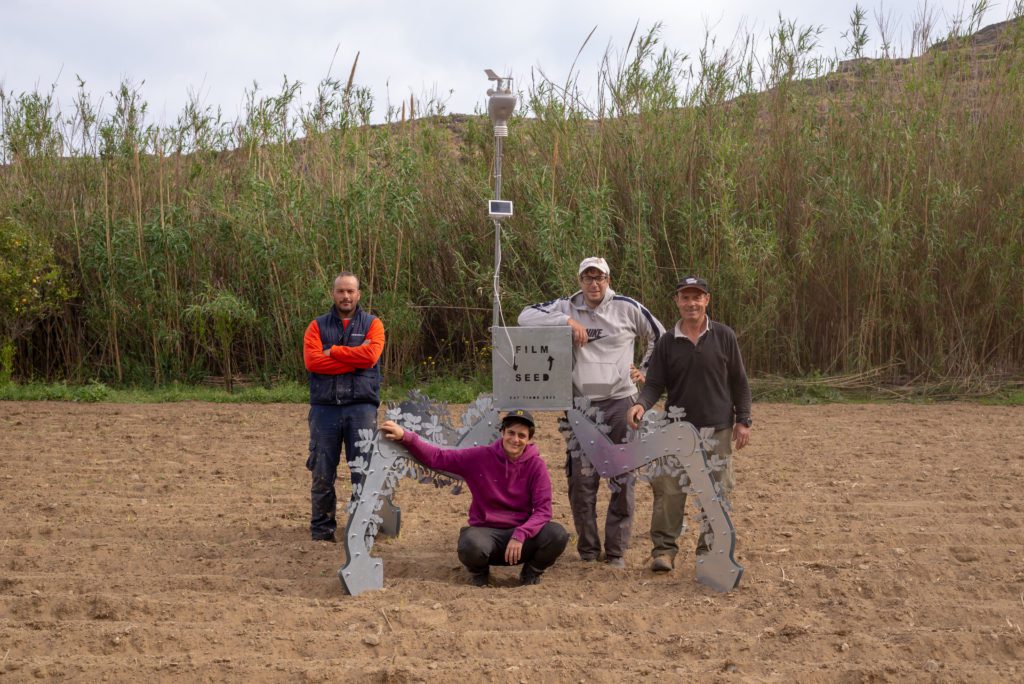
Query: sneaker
pixel 528 577
pixel 615 563
pixel 662 564
pixel 480 580
pixel 330 539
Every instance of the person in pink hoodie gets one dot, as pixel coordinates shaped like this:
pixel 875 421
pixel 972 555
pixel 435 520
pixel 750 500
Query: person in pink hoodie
pixel 510 515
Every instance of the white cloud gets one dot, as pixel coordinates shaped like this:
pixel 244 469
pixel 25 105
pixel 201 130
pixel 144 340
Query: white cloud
pixel 218 48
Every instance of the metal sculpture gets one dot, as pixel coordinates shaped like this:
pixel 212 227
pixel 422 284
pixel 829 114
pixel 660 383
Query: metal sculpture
pixel 385 463
pixel 667 445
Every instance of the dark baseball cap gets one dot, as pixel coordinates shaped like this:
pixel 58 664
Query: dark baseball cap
pixel 695 282
pixel 518 416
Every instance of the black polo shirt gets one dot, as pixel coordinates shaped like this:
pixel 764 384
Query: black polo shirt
pixel 707 379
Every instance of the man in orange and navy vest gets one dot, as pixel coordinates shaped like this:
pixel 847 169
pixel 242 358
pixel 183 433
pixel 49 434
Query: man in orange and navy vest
pixel 342 351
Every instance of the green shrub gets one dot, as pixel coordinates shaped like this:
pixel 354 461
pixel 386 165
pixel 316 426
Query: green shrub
pixel 31 287
pixel 218 317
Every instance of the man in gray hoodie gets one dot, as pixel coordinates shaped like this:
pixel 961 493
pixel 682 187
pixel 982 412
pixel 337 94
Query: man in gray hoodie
pixel 605 327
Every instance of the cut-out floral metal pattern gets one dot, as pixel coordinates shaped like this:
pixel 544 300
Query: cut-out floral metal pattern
pixel 665 444
pixel 668 445
pixel 387 462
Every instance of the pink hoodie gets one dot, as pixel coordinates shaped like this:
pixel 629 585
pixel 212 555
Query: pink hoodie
pixel 505 493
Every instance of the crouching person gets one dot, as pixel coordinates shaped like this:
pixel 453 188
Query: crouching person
pixel 510 515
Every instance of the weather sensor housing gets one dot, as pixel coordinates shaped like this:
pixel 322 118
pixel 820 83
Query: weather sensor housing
pixel 502 103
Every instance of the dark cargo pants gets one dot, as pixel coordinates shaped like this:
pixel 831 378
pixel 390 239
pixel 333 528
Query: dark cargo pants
pixel 618 525
pixel 330 428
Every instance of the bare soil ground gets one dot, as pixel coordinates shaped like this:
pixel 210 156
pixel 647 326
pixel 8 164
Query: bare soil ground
pixel 169 542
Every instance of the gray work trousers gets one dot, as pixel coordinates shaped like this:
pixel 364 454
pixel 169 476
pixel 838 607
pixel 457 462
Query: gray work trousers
pixel 583 489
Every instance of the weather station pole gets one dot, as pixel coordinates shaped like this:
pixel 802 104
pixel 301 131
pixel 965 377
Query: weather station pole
pixel 500 106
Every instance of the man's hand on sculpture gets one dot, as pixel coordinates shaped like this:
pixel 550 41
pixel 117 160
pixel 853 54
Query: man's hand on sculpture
pixel 392 430
pixel 633 415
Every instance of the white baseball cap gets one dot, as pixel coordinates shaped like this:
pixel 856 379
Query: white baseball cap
pixel 594 262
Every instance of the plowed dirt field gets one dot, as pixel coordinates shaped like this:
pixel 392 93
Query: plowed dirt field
pixel 170 543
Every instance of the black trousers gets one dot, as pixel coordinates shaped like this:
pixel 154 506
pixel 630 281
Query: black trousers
pixel 331 427
pixel 482 547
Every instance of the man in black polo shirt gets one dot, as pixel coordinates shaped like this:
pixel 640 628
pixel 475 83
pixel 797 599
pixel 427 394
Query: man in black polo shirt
pixel 701 368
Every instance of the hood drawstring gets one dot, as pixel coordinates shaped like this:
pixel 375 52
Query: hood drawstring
pixel 515 464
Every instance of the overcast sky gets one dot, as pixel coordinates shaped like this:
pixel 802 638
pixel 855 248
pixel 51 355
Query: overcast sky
pixel 218 48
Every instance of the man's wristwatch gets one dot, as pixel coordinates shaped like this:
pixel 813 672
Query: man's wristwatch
pixel 745 422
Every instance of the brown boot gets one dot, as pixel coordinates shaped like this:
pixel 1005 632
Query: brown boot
pixel 662 563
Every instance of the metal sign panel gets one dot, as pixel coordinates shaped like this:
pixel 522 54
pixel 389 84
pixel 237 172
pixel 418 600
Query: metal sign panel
pixel 532 367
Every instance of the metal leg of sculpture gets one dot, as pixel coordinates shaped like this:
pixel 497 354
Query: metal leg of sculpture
pixel 716 569
pixel 375 513
pixel 362 572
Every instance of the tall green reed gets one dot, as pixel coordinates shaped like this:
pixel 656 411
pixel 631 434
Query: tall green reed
pixel 849 215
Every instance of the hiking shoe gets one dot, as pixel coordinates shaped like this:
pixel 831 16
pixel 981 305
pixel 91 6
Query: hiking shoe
pixel 480 580
pixel 330 539
pixel 661 564
pixel 615 563
pixel 527 577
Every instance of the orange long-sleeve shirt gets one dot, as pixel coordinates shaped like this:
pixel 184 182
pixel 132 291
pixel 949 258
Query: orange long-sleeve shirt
pixel 342 359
